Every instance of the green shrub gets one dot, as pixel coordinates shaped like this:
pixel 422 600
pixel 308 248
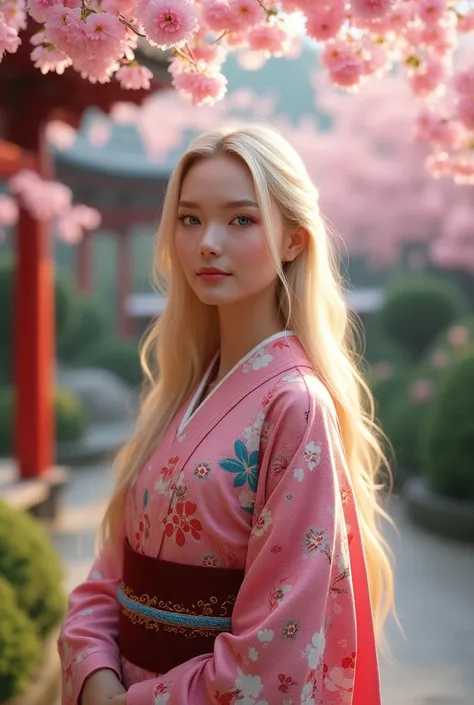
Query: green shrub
pixel 402 425
pixel 121 358
pixel 386 392
pixel 70 417
pixel 19 644
pixel 454 343
pixel 419 308
pixel 89 326
pixel 447 437
pixel 31 564
pixel 63 308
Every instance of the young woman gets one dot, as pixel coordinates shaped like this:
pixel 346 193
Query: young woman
pixel 241 562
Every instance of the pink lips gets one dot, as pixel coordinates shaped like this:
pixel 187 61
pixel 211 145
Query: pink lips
pixel 212 274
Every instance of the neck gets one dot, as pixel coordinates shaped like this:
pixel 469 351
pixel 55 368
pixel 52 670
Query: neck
pixel 243 326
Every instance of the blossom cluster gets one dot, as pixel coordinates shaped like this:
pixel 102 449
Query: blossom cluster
pixel 46 201
pixel 359 39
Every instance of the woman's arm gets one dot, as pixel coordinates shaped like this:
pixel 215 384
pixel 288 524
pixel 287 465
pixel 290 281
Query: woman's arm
pixel 88 639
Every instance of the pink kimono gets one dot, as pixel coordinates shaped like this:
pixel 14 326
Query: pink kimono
pixel 253 478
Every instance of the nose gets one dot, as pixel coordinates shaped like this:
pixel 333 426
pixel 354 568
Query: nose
pixel 210 244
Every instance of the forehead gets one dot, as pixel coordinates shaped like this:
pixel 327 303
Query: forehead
pixel 218 178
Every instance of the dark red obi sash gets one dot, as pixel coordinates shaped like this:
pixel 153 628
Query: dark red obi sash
pixel 169 612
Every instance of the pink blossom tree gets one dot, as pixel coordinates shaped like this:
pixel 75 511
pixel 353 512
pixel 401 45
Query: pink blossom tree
pixel 359 39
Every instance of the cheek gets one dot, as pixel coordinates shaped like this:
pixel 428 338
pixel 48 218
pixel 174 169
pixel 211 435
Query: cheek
pixel 254 252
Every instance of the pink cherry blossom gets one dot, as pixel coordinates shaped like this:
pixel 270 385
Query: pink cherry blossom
pixel 169 23
pixel 216 14
pixel 325 21
pixel 463 81
pixel 421 391
pixel 50 58
pixel 244 14
pixel 429 77
pixel 9 39
pixel 8 211
pixel 345 68
pixel 465 110
pixel 38 9
pixel 268 38
pixel 201 88
pixel 431 11
pixel 134 77
pixel 458 335
pixel 103 27
pixel 466 22
pixel 371 9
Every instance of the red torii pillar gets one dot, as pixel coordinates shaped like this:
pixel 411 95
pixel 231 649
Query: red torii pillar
pixel 34 325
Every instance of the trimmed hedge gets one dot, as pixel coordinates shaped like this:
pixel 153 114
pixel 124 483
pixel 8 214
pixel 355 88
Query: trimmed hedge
pixel 116 356
pixel 447 437
pixel 19 644
pixel 89 326
pixel 417 309
pixel 70 417
pixel 31 564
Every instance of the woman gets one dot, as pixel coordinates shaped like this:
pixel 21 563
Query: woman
pixel 241 562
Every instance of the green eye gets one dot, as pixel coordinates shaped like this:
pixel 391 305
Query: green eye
pixel 243 220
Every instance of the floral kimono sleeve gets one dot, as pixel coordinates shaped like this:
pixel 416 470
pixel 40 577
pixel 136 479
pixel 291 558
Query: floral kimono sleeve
pixel 88 639
pixel 293 634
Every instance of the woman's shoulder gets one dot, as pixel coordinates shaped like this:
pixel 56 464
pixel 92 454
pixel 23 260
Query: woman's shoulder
pixel 301 390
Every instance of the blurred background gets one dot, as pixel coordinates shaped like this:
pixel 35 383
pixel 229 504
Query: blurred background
pixel 406 243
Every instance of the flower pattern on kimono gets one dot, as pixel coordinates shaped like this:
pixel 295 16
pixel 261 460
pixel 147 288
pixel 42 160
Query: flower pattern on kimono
pixel 312 454
pixel 316 541
pixel 278 593
pixel 279 465
pixel 260 359
pixel 252 433
pixel 315 650
pixel 263 522
pixel 286 682
pixel 202 471
pixel 181 521
pixel 290 629
pixel 249 688
pixel 252 654
pixel 164 483
pixel 160 694
pixel 247 501
pixel 307 694
pixel 142 532
pixel 338 679
pixel 209 560
pixel 245 467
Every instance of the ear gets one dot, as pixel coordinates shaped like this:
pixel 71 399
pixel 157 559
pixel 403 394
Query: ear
pixel 296 242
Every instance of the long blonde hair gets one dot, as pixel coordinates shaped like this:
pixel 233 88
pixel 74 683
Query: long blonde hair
pixel 180 343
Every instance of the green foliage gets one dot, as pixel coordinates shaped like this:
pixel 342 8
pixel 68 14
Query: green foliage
pixel 31 564
pixel 70 417
pixel 417 309
pixel 63 304
pixel 402 424
pixel 454 343
pixel 89 325
pixel 121 358
pixel 447 437
pixel 19 644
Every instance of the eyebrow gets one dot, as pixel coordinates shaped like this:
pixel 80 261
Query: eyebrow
pixel 244 203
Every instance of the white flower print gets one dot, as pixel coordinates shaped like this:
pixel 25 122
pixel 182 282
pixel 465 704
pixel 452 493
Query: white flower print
pixel 252 433
pixel 278 593
pixel 87 612
pixel 316 541
pixel 298 474
pixel 96 575
pixel 253 653
pixel 315 650
pixel 182 437
pixel 260 359
pixel 292 377
pixel 263 522
pixel 307 695
pixel 249 686
pixel 161 699
pixel 337 679
pixel 312 454
pixel 265 636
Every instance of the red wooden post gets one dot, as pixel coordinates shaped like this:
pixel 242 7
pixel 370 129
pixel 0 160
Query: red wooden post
pixel 34 347
pixel 34 338
pixel 124 282
pixel 84 265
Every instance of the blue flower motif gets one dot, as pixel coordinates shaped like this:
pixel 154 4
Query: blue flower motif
pixel 245 468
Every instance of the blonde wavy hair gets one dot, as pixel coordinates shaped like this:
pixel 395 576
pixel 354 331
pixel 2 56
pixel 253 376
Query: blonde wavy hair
pixel 311 303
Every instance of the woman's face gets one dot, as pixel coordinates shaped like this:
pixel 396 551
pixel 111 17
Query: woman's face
pixel 220 240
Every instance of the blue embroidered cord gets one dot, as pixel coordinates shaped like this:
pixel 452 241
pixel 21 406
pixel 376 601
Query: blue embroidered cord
pixel 175 619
